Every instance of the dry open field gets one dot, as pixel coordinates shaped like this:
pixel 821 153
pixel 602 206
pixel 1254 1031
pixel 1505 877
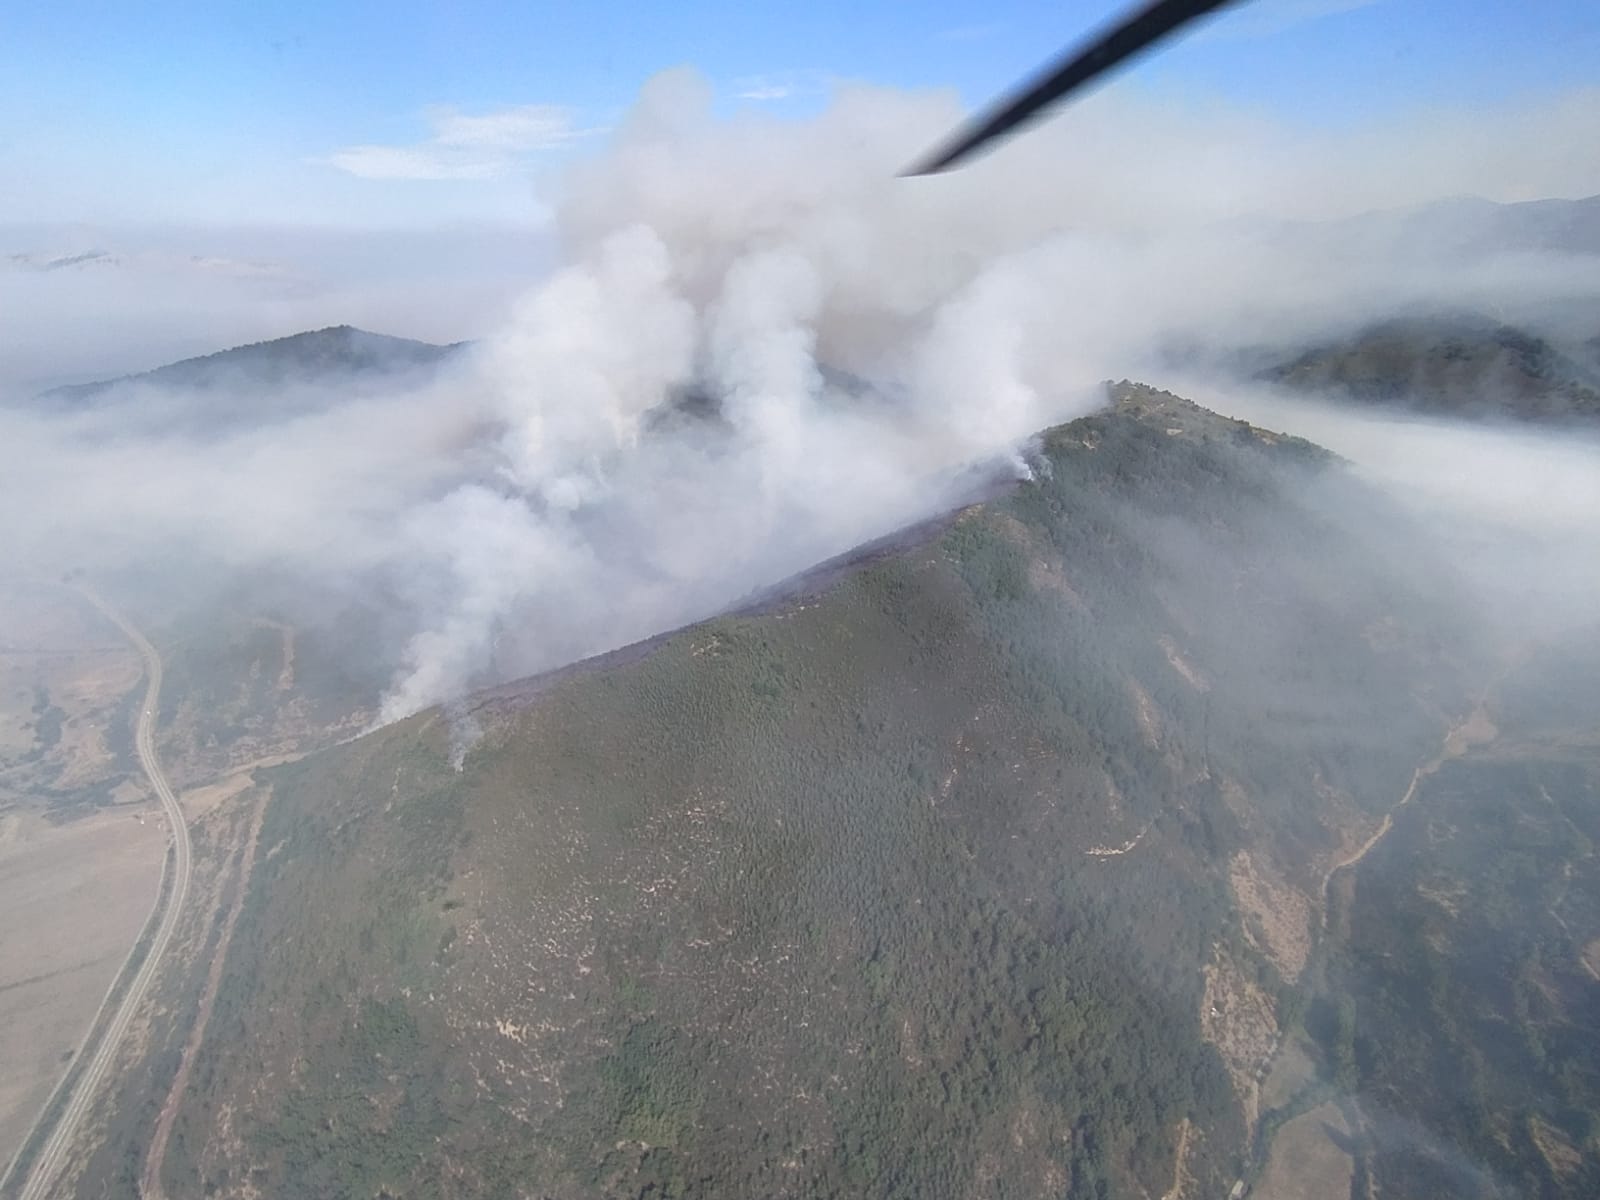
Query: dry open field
pixel 76 881
pixel 65 676
pixel 72 900
pixel 1306 1162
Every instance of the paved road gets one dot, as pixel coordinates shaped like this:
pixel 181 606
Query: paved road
pixel 48 1163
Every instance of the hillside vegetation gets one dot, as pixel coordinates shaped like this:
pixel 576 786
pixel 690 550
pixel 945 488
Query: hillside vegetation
pixel 990 868
pixel 1469 988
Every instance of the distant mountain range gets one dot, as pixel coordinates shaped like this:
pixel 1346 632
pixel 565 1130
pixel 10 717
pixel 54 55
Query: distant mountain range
pixel 33 261
pixel 1438 363
pixel 1444 364
pixel 1461 226
pixel 319 356
pixel 144 262
pixel 1537 360
pixel 1455 365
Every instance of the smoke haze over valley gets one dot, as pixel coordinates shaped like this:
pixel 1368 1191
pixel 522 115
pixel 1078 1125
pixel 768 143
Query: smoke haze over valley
pixel 716 387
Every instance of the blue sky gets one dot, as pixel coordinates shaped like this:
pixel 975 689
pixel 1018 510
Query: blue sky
pixel 418 111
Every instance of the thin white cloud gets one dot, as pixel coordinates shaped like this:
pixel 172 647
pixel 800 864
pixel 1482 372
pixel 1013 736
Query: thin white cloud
pixel 464 146
pixel 766 91
pixel 782 85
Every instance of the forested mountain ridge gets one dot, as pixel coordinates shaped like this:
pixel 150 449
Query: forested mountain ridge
pixel 321 356
pixel 994 866
pixel 1456 365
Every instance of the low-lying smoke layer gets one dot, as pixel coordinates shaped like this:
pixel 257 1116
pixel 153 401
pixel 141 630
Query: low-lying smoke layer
pixel 760 349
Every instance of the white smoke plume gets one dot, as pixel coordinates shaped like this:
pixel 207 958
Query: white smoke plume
pixel 758 349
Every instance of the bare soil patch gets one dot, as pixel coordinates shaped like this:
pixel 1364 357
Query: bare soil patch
pixel 1237 1017
pixel 1191 674
pixel 1591 958
pixel 1276 915
pixel 1563 1158
pixel 64 681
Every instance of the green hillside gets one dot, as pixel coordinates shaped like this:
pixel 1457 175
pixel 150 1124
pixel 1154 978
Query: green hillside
pixel 984 869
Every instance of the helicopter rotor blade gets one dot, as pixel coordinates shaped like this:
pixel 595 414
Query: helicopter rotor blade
pixel 1139 31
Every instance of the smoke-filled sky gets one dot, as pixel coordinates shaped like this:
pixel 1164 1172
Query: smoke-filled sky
pixel 869 340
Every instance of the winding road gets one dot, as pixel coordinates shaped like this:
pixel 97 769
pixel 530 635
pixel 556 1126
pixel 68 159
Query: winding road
pixel 1472 730
pixel 48 1163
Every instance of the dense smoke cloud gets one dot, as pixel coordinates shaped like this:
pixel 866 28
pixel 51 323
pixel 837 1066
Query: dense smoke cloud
pixel 759 349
